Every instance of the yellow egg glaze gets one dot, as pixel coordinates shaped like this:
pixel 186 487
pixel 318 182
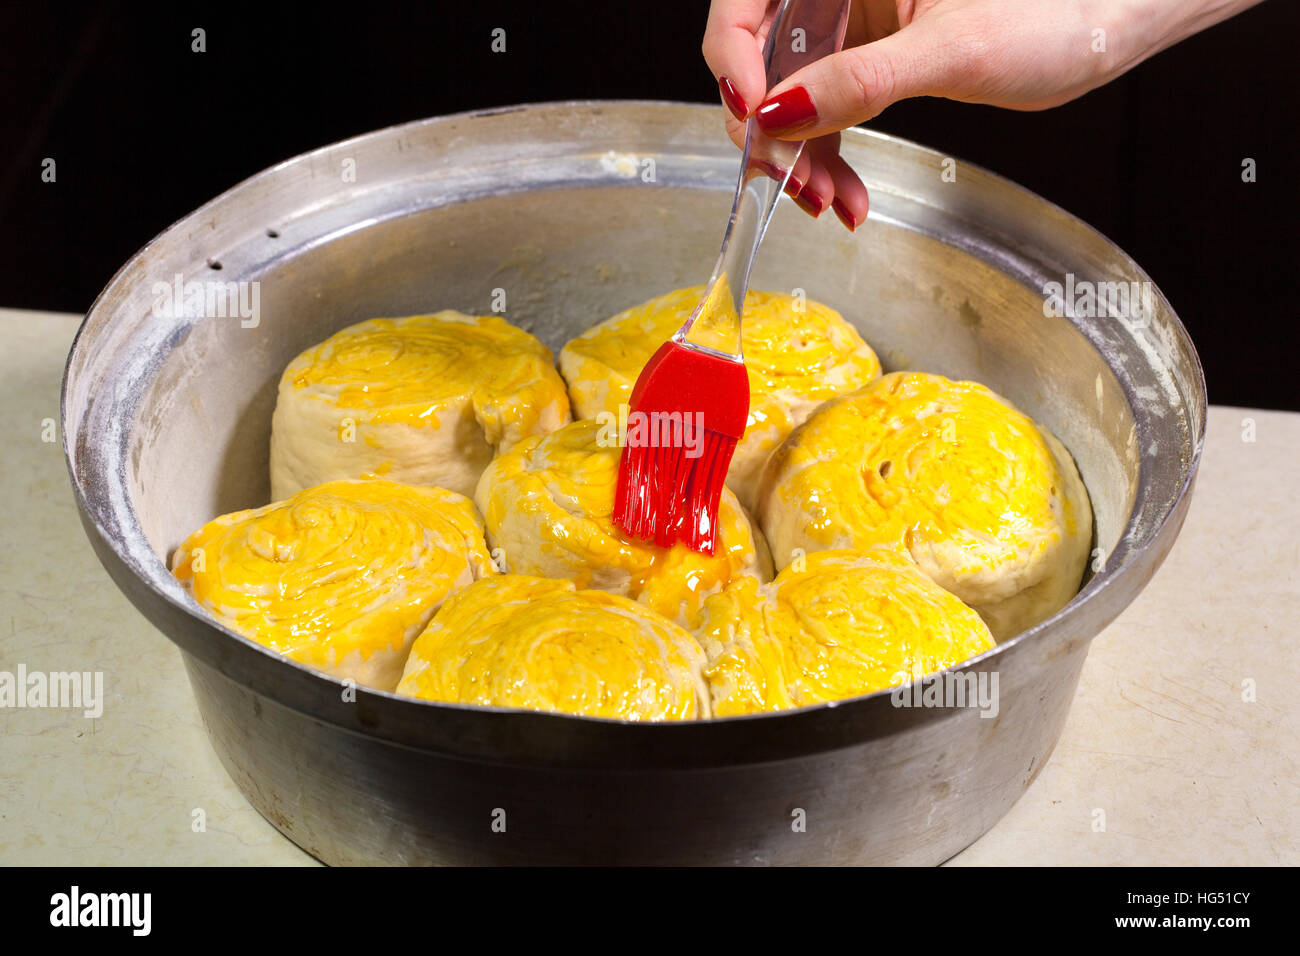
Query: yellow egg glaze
pixel 547 505
pixel 341 577
pixel 425 399
pixel 839 624
pixel 987 504
pixel 796 360
pixel 542 644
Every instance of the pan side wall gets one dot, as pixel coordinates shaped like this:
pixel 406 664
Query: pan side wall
pixel 915 798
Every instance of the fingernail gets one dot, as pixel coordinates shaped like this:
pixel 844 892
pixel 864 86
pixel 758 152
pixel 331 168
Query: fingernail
pixel 787 112
pixel 793 184
pixel 810 203
pixel 731 96
pixel 842 211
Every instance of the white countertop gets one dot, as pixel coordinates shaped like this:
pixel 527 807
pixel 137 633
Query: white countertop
pixel 1159 738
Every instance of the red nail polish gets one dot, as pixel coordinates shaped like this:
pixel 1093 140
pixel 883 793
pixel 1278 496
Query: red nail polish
pixel 810 203
pixel 731 96
pixel 787 112
pixel 842 211
pixel 793 185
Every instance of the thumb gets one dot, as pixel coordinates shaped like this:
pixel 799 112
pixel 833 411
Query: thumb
pixel 852 86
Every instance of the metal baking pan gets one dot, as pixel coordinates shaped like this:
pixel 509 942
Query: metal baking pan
pixel 575 211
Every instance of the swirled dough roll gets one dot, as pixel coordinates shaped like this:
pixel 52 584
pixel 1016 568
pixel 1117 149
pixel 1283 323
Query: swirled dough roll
pixel 539 643
pixel 796 360
pixel 990 506
pixel 341 577
pixel 426 399
pixel 547 505
pixel 838 624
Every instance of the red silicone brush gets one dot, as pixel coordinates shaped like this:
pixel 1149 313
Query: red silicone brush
pixel 690 404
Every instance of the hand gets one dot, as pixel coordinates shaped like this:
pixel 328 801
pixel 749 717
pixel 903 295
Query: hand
pixel 1018 54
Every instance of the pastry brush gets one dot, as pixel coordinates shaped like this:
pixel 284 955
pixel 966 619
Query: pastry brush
pixel 690 404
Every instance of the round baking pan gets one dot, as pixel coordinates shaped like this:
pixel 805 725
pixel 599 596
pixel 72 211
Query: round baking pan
pixel 572 212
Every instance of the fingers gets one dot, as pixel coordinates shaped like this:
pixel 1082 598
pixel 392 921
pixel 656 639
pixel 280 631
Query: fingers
pixel 850 202
pixel 733 50
pixel 822 180
pixel 854 85
pixel 800 176
pixel 732 47
pixel 818 190
pixel 832 183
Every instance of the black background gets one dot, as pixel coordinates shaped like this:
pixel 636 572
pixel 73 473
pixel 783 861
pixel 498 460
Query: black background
pixel 506 908
pixel 143 130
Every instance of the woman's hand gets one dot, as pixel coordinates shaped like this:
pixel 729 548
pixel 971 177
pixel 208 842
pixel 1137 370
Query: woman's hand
pixel 1018 54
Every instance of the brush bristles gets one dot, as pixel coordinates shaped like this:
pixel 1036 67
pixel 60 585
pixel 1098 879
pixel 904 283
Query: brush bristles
pixel 665 496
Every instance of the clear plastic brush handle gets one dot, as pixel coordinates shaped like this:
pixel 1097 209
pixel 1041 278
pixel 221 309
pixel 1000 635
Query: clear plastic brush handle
pixel 802 32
